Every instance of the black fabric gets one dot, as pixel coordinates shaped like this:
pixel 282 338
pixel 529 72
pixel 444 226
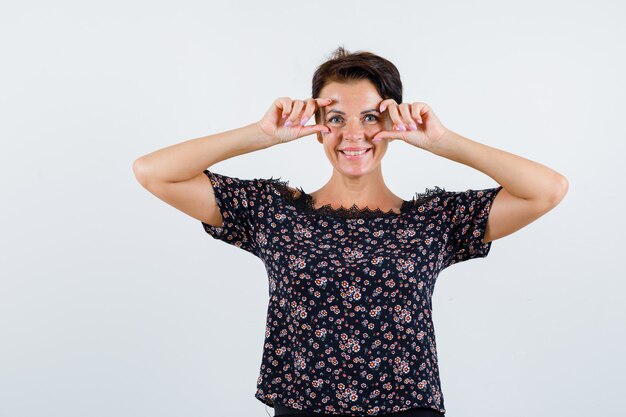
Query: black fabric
pixel 349 325
pixel 284 411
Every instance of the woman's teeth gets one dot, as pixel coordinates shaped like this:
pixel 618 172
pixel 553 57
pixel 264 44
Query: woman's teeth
pixel 354 153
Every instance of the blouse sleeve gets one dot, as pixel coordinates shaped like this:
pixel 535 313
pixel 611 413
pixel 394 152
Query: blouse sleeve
pixel 238 201
pixel 467 213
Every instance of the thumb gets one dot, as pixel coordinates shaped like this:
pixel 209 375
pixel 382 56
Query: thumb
pixel 309 130
pixel 385 135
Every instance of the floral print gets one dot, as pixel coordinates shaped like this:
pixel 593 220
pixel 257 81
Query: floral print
pixel 349 327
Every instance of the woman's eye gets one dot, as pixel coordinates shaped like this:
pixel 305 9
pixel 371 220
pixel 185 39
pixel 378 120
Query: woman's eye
pixel 375 118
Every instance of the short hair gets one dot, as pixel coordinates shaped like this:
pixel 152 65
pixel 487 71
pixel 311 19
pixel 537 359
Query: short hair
pixel 344 66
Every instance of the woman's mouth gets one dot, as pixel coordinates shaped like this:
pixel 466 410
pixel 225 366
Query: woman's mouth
pixel 354 155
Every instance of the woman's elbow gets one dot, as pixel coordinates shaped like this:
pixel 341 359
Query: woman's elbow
pixel 560 189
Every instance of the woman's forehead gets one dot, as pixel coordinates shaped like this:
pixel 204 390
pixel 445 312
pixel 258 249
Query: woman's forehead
pixel 352 105
pixel 355 89
pixel 353 97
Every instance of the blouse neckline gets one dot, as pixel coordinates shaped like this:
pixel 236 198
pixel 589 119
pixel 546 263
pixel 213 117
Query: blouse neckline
pixel 304 201
pixel 350 212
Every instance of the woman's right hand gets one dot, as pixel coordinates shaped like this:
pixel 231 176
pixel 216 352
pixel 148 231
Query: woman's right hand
pixel 286 119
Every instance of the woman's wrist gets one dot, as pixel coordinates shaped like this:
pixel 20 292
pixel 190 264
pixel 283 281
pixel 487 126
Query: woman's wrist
pixel 263 137
pixel 440 141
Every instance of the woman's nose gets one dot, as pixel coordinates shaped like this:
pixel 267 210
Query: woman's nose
pixel 353 130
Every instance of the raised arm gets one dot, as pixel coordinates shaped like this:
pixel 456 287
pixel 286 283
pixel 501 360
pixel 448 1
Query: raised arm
pixel 175 174
pixel 529 189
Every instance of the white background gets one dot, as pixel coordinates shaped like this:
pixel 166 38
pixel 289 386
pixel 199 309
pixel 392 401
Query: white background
pixel 113 303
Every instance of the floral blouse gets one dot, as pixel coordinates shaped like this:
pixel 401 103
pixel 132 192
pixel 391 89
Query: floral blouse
pixel 349 324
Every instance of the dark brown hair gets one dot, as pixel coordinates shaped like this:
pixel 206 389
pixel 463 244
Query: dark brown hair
pixel 344 66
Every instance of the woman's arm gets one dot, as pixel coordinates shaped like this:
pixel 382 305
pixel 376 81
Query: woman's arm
pixel 189 159
pixel 183 161
pixel 529 189
pixel 176 174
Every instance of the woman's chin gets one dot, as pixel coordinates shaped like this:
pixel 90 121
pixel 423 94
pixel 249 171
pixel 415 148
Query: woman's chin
pixel 353 171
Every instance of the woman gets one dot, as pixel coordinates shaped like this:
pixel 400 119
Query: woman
pixel 351 266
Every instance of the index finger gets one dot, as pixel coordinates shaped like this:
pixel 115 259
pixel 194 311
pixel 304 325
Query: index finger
pixel 323 101
pixel 383 104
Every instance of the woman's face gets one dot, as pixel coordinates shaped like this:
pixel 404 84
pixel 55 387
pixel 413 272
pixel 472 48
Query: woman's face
pixel 353 120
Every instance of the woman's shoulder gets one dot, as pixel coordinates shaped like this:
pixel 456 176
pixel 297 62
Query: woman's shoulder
pixel 435 193
pixel 281 187
pixel 255 189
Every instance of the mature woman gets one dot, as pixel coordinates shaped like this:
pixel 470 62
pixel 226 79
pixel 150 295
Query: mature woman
pixel 351 266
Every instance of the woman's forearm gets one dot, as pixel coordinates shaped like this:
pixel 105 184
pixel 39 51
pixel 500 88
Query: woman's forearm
pixel 182 161
pixel 519 176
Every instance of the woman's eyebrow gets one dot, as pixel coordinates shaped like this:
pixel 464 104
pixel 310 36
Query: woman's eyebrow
pixel 363 112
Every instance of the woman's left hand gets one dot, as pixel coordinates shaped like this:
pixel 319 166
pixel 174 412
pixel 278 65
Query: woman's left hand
pixel 414 123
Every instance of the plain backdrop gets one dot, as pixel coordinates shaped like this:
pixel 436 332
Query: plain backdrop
pixel 113 303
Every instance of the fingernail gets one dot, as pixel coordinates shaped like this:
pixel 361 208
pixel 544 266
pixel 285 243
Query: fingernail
pixel 304 120
pixel 288 123
pixel 412 126
pixel 376 140
pixel 401 127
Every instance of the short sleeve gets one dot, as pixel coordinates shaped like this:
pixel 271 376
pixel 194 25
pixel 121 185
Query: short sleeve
pixel 238 201
pixel 467 213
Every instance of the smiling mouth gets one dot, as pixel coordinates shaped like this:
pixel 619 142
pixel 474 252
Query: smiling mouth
pixel 356 155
